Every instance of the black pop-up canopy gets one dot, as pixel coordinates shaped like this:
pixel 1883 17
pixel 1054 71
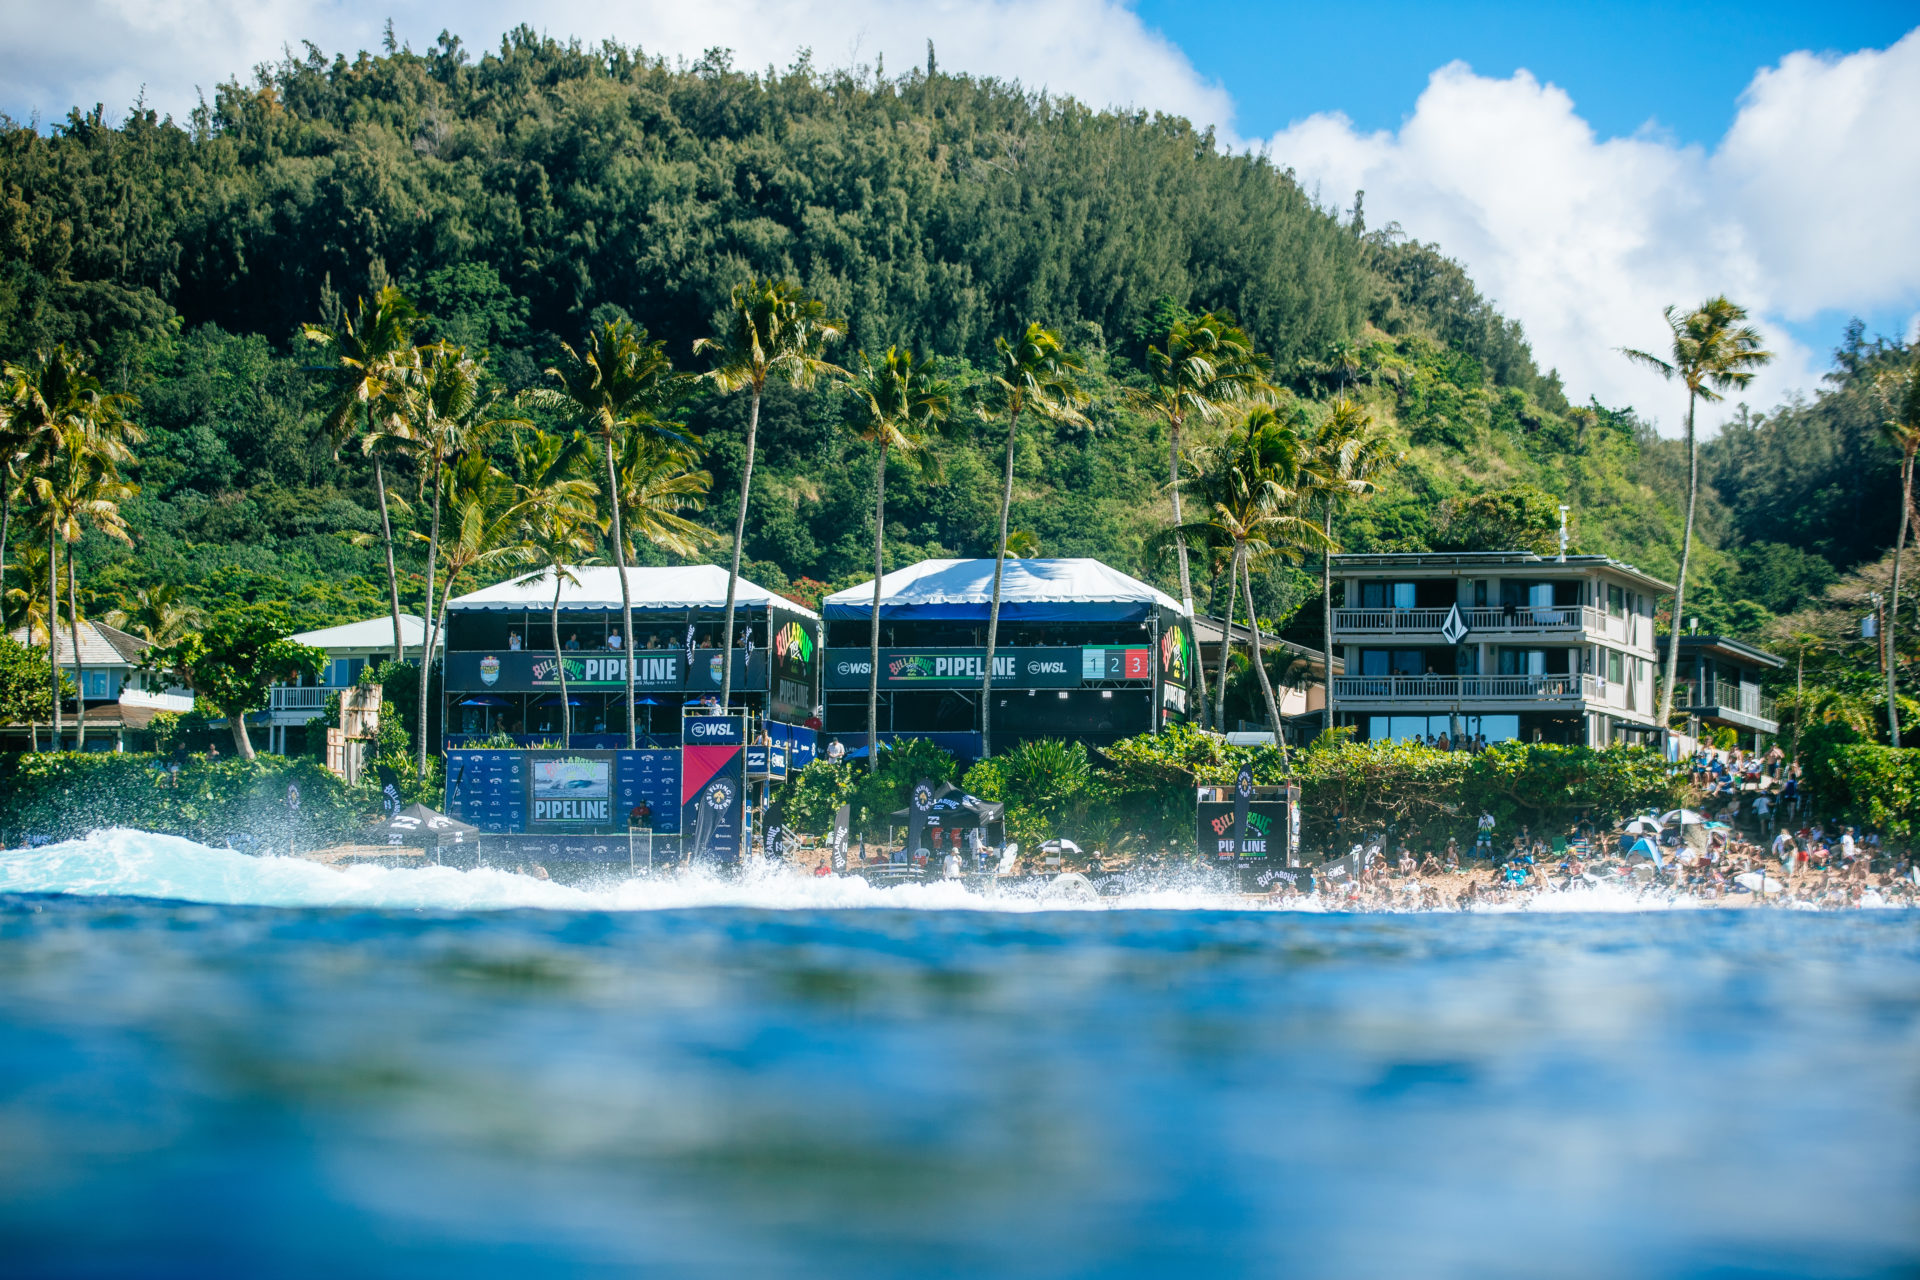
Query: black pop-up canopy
pixel 417 824
pixel 953 807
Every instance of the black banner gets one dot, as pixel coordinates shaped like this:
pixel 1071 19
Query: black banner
pixel 1265 827
pixel 1022 668
pixel 920 806
pixel 654 670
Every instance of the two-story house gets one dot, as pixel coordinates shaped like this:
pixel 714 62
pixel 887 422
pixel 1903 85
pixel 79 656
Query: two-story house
pixel 1719 685
pixel 350 648
pixel 119 698
pixel 1501 645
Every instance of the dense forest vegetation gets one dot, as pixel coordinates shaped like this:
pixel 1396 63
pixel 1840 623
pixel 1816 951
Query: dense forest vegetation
pixel 522 197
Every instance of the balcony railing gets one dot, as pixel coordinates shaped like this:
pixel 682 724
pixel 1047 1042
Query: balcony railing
pixel 1554 688
pixel 1521 619
pixel 286 697
pixel 1727 696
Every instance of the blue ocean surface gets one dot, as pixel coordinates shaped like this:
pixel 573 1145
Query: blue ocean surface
pixel 215 1065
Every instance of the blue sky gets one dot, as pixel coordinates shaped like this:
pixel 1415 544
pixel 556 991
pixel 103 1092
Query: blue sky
pixel 1589 164
pixel 1680 67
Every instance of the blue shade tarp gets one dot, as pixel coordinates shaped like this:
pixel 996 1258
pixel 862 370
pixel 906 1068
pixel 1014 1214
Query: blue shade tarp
pixel 1066 590
pixel 484 700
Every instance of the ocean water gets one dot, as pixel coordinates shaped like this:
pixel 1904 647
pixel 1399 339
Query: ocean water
pixel 217 1065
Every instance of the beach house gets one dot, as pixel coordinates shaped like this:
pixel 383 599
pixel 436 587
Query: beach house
pixel 1500 645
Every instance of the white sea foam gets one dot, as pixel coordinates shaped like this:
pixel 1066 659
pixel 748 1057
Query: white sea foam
pixel 138 864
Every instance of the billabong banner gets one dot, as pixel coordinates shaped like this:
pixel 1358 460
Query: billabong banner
pixel 1022 668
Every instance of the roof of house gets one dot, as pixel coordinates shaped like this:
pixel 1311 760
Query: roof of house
pixel 1383 560
pixel 1206 631
pixel 370 633
pixel 1726 646
pixel 100 645
pixel 597 587
pixel 1061 590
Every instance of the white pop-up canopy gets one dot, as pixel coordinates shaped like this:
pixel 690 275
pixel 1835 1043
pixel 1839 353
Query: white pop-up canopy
pixel 597 587
pixel 1064 590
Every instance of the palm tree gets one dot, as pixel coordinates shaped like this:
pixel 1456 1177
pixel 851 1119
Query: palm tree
pixel 81 487
pixel 70 436
pixel 1714 351
pixel 658 482
pixel 560 510
pixel 622 384
pixel 1257 485
pixel 897 406
pixel 439 398
pixel 1023 544
pixel 372 350
pixel 485 525
pixel 1899 391
pixel 1033 374
pixel 773 329
pixel 24 593
pixel 1202 363
pixel 156 614
pixel 1347 450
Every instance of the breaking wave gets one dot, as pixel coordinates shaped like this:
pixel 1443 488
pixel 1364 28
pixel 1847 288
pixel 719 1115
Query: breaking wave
pixel 138 864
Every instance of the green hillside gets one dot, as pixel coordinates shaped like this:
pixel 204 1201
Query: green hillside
pixel 520 196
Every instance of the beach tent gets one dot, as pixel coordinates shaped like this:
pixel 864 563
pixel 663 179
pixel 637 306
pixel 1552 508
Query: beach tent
pixel 1684 817
pixel 596 588
pixel 1031 591
pixel 952 808
pixel 418 825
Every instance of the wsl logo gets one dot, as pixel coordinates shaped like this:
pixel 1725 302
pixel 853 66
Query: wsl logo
pixel 1037 667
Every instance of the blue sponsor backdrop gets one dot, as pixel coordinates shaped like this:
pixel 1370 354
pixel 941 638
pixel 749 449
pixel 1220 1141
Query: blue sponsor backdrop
pixel 489 789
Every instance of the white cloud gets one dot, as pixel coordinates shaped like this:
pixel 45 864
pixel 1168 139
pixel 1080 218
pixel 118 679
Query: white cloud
pixel 91 51
pixel 1810 203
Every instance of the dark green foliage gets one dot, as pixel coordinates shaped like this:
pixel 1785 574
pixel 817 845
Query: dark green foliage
pixel 67 794
pixel 1521 517
pixel 1146 785
pixel 26 690
pixel 822 787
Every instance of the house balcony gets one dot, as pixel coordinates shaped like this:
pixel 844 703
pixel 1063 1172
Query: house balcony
pixel 1741 706
pixel 1510 691
pixel 1526 620
pixel 297 704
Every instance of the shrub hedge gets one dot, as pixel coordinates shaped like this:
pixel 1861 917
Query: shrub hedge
pixel 59 795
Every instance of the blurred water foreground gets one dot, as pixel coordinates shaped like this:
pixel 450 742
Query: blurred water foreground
pixel 220 1064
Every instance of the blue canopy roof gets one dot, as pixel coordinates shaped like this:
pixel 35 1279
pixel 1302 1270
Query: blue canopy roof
pixel 1030 591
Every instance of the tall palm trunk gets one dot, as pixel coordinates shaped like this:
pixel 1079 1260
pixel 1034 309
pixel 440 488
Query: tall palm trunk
pixel 393 573
pixel 6 516
pixel 1326 616
pixel 1893 609
pixel 53 622
pixel 1680 588
pixel 739 535
pixel 1226 653
pixel 1180 541
pixel 79 671
pixel 993 614
pixel 560 666
pixel 431 637
pixel 626 591
pixel 873 631
pixel 1260 663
